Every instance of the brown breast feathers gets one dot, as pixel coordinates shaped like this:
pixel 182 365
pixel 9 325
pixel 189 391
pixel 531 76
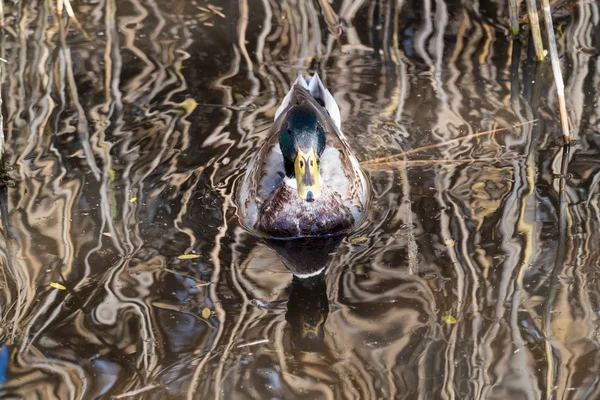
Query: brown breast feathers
pixel 287 215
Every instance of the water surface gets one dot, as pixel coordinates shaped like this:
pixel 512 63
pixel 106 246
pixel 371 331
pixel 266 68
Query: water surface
pixel 474 277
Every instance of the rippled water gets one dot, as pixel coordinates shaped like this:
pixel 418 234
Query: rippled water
pixel 475 276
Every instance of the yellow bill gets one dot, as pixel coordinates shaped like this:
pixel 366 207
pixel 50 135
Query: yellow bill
pixel 306 169
pixel 308 328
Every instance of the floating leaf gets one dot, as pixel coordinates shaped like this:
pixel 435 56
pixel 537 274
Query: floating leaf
pixel 206 313
pixel 111 174
pixel 449 319
pixel 189 105
pixel 359 240
pixel 107 234
pixel 449 243
pixel 188 256
pixel 133 199
pixel 58 286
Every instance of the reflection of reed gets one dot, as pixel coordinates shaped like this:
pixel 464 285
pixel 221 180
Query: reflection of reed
pixel 120 168
pixel 553 374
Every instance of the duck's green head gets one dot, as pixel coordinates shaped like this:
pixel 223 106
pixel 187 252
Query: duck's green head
pixel 302 141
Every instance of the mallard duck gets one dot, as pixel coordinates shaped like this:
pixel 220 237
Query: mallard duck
pixel 304 180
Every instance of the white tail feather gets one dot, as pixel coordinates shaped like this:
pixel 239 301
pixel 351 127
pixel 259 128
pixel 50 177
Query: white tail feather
pixel 288 97
pixel 318 91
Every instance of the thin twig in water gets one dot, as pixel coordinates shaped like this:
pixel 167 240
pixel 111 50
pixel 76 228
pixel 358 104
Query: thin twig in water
pixel 436 145
pixel 216 11
pixel 560 86
pixel 134 392
pixel 261 341
pixel 234 108
pixel 413 163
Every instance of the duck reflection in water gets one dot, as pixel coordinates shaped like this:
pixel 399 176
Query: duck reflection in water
pixel 307 310
pixel 304 186
pixel 308 304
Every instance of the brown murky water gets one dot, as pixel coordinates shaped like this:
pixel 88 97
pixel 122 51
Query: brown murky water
pixel 475 276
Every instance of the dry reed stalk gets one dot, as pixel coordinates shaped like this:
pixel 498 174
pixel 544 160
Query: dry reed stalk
pixel 436 145
pixel 419 163
pixel 560 86
pixel 534 23
pixel 331 18
pixel 513 12
pixel 66 4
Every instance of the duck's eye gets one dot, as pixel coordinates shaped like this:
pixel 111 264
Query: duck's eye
pixel 301 164
pixel 312 163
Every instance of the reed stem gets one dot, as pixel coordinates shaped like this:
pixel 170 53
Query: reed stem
pixel 66 5
pixel 534 23
pixel 558 80
pixel 513 12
